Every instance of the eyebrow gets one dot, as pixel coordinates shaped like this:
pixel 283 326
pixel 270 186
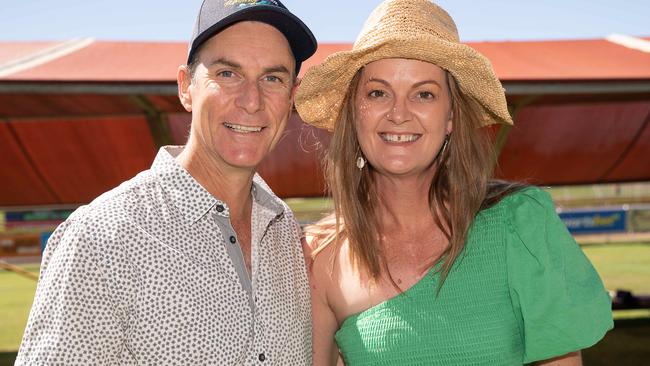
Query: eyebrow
pixel 278 68
pixel 419 83
pixel 226 62
pixel 423 82
pixel 381 81
pixel 235 65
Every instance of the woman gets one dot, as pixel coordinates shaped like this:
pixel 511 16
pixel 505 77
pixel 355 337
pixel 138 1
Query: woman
pixel 425 260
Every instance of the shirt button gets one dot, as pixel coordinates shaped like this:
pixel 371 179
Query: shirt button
pixel 261 357
pixel 233 239
pixel 220 208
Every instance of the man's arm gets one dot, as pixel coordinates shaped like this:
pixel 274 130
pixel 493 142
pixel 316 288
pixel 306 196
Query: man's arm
pixel 73 320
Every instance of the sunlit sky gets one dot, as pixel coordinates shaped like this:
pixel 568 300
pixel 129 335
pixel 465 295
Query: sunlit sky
pixel 331 21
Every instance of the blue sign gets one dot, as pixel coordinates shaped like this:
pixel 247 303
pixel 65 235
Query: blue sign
pixel 44 238
pixel 44 215
pixel 595 222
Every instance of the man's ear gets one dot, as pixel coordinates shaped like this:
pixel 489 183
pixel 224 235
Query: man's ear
pixel 184 82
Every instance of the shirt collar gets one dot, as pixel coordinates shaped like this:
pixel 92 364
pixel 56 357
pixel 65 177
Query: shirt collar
pixel 191 199
pixel 263 195
pixel 184 192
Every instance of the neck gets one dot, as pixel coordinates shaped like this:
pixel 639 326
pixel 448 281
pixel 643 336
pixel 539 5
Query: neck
pixel 404 202
pixel 231 185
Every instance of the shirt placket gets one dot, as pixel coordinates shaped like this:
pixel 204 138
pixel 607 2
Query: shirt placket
pixel 262 220
pixel 231 243
pixel 258 350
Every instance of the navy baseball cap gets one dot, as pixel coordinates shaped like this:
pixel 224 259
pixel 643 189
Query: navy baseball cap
pixel 216 15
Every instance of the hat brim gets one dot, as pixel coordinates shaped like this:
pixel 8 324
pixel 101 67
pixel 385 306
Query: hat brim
pixel 323 88
pixel 302 42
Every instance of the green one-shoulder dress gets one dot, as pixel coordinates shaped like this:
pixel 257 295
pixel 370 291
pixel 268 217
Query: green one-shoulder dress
pixel 521 291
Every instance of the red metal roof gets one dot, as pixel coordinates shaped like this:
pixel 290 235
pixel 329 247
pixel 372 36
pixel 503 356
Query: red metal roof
pixel 79 117
pixel 158 62
pixel 111 62
pixel 565 60
pixel 11 51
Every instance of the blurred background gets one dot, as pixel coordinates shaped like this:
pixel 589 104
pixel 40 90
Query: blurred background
pixel 88 95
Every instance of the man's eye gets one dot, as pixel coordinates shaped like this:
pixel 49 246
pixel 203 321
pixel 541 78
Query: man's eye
pixel 226 74
pixel 273 79
pixel 376 94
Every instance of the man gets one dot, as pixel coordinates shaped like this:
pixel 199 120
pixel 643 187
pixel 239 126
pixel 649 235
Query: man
pixel 193 261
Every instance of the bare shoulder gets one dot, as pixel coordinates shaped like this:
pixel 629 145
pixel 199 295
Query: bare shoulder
pixel 309 242
pixel 323 257
pixel 318 238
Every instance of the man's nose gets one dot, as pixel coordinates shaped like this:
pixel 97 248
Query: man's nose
pixel 250 98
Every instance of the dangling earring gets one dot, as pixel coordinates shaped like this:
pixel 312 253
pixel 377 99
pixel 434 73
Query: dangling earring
pixel 444 144
pixel 361 162
pixel 443 148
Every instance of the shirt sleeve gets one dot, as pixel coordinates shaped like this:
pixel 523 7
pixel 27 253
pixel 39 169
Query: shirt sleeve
pixel 72 320
pixel 557 292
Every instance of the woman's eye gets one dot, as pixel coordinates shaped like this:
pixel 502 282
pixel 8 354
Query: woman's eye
pixel 376 94
pixel 426 95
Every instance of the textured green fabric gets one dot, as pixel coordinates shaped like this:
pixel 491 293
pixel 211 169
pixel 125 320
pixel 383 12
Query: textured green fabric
pixel 522 291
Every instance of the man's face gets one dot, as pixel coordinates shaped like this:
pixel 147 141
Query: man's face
pixel 240 95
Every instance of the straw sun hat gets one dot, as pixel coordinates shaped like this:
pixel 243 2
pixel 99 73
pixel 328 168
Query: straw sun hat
pixel 412 29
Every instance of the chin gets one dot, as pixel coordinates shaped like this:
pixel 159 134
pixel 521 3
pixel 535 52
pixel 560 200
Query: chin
pixel 401 168
pixel 395 170
pixel 243 160
pixel 246 163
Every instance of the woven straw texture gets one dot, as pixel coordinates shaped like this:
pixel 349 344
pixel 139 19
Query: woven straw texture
pixel 412 29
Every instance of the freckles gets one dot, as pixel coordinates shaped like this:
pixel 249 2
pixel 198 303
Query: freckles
pixel 362 112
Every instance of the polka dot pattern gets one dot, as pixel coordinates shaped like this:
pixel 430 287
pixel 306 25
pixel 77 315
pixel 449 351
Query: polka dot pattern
pixel 141 276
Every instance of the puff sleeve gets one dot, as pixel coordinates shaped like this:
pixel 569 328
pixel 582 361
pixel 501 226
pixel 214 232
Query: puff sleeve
pixel 561 300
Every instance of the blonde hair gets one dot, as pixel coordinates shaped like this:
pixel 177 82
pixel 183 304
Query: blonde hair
pixel 456 194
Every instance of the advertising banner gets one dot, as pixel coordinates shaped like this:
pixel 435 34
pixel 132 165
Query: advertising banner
pixel 25 233
pixel 595 222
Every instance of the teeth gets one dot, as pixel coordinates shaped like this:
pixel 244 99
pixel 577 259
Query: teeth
pixel 399 138
pixel 244 129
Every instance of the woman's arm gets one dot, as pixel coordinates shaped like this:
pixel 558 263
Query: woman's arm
pixel 324 324
pixel 570 359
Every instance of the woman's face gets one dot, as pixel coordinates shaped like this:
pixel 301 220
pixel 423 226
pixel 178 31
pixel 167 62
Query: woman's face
pixel 403 112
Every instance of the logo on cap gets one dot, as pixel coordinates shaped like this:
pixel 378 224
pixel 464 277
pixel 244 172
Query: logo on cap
pixel 246 3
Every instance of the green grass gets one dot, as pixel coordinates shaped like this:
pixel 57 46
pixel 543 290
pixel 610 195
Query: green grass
pixel 622 266
pixel 15 302
pixel 308 210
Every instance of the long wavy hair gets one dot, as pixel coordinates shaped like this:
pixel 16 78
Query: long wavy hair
pixel 460 187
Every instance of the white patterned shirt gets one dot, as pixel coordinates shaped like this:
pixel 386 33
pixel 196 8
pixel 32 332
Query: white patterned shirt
pixel 151 273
